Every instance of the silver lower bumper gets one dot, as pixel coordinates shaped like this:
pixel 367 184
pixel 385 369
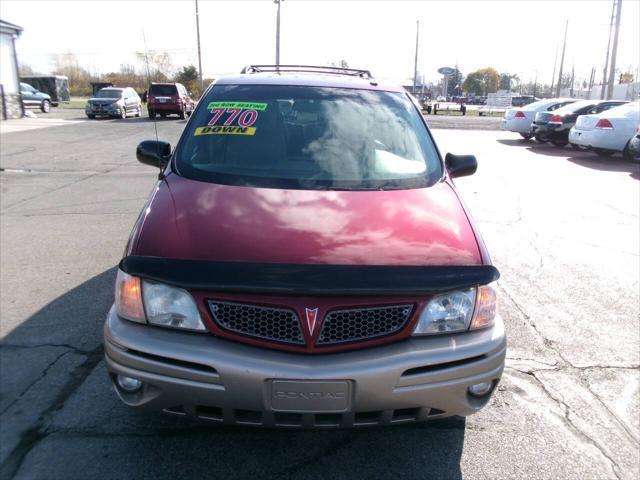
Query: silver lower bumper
pixel 211 378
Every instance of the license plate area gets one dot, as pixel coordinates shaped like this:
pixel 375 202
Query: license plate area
pixel 310 395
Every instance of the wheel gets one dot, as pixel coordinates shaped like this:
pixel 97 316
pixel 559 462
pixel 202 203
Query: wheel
pixel 603 153
pixel 123 112
pixel 139 110
pixel 559 143
pixel 190 112
pixel 526 136
pixel 181 114
pixel 91 116
pixel 54 104
pixel 46 106
pixel 152 114
pixel 629 155
pixel 579 147
pixel 541 137
pixel 163 115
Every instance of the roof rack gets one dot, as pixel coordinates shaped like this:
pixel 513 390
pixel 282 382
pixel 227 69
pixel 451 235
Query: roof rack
pixel 308 69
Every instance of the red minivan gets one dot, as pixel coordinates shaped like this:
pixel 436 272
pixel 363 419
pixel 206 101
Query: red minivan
pixel 169 99
pixel 304 261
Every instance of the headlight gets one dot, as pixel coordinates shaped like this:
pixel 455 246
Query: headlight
pixel 458 311
pixel 447 313
pixel 164 305
pixel 170 307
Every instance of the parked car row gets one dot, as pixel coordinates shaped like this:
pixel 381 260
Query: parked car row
pixel 121 102
pixel 603 126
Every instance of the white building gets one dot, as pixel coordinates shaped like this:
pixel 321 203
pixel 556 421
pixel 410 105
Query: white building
pixel 9 80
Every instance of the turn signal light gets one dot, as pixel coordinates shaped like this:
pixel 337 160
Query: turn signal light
pixel 486 307
pixel 129 297
pixel 520 114
pixel 604 124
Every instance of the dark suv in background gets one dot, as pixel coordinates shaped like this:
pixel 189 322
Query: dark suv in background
pixel 169 98
pixel 34 98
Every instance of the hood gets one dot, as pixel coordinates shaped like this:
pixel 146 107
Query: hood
pixel 187 219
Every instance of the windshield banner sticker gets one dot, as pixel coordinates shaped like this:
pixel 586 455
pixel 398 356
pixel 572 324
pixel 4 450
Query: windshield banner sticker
pixel 240 105
pixel 224 130
pixel 238 118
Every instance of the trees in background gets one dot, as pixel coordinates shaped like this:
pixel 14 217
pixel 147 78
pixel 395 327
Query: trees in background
pixel 481 82
pixel 68 65
pixel 507 80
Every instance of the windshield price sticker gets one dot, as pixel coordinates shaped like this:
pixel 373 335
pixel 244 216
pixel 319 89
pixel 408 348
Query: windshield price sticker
pixel 232 118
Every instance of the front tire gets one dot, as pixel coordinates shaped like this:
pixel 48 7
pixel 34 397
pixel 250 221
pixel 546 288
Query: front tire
pixel 46 106
pixel 152 115
pixel 91 117
pixel 181 114
pixel 559 143
pixel 541 137
pixel 139 110
pixel 123 113
pixel 526 136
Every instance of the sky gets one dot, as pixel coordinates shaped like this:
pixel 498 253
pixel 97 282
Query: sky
pixel 515 36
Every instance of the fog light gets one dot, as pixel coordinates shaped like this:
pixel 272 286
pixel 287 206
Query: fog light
pixel 128 384
pixel 480 389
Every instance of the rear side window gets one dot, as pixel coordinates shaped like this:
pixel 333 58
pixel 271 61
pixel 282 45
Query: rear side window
pixel 307 138
pixel 163 90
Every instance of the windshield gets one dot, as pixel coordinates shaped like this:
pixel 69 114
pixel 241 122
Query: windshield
pixel 109 93
pixel 575 106
pixel 163 90
pixel 308 138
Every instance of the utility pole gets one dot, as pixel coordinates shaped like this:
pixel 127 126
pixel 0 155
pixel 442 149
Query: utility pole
pixel 553 78
pixel 199 54
pixel 278 2
pixel 535 83
pixel 614 51
pixel 606 61
pixel 415 64
pixel 592 79
pixel 564 46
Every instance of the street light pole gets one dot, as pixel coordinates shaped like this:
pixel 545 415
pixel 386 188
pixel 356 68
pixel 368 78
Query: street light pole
pixel 415 64
pixel 564 46
pixel 278 2
pixel 199 54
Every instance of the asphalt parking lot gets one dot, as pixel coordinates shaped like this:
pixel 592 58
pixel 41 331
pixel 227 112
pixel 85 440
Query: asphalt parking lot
pixel 561 225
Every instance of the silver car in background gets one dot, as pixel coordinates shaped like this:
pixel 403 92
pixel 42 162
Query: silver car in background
pixel 519 120
pixel 608 132
pixel 114 102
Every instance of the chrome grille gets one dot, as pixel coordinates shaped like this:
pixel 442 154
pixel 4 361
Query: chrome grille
pixel 270 323
pixel 341 326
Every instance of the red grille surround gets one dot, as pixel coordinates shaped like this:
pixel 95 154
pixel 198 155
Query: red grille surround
pixel 325 306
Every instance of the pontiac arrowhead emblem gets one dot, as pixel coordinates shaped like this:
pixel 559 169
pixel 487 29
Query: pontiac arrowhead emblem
pixel 312 315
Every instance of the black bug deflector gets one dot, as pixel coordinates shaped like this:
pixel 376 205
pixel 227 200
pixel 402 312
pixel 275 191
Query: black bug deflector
pixel 334 280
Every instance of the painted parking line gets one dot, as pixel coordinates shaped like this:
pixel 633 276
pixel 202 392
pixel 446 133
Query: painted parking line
pixel 25 124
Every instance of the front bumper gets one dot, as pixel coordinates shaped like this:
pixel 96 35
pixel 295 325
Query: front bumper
pixel 202 376
pixel 104 111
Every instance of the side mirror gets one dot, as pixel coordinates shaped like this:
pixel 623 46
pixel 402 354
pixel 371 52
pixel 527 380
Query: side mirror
pixel 460 165
pixel 154 153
